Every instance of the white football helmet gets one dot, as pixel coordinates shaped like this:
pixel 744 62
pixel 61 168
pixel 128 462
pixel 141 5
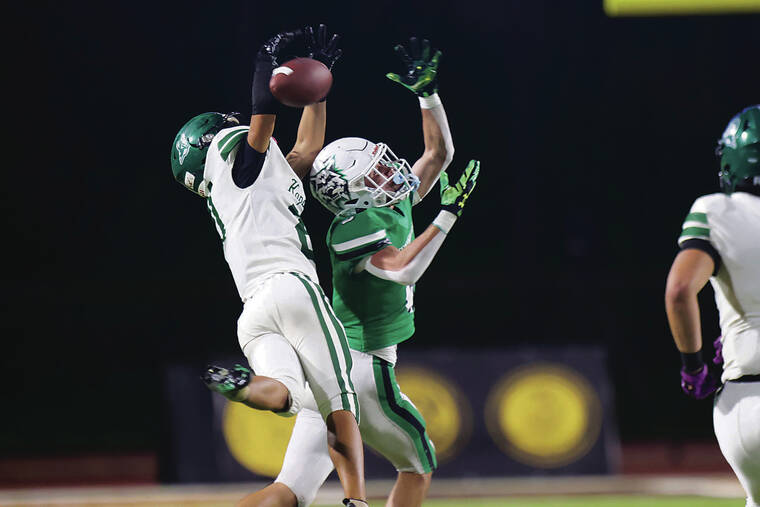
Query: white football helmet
pixel 353 173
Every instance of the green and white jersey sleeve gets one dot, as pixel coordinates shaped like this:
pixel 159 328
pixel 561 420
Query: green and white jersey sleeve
pixel 376 313
pixel 730 224
pixel 260 226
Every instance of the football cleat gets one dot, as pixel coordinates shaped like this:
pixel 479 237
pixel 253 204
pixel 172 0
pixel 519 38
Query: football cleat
pixel 353 502
pixel 227 382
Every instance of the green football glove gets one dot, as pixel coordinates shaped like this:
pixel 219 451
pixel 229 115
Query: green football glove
pixel 453 198
pixel 422 70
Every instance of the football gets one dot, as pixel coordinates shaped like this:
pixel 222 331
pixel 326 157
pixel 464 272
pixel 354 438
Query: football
pixel 300 82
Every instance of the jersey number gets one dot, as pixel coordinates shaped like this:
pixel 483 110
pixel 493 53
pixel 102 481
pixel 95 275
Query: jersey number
pixel 303 236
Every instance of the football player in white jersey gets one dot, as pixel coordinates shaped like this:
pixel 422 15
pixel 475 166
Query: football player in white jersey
pixel 720 242
pixel 287 330
pixel 376 261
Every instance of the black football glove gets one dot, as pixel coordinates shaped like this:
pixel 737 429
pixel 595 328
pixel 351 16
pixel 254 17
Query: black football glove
pixel 319 49
pixel 266 60
pixel 421 68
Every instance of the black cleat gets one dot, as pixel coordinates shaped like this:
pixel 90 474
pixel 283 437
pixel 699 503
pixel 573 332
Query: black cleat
pixel 227 382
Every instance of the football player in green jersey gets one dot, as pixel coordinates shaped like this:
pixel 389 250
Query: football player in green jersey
pixel 720 242
pixel 376 261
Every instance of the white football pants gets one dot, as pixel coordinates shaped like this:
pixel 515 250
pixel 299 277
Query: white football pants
pixel 390 424
pixel 736 418
pixel 289 332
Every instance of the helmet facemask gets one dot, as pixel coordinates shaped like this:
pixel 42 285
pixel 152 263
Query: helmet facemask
pixel 386 181
pixel 352 174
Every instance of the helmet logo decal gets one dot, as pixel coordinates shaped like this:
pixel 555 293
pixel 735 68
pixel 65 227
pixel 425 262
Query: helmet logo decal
pixel 183 148
pixel 729 135
pixel 189 180
pixel 331 182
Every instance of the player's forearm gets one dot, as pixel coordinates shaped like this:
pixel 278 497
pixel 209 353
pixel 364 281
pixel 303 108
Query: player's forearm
pixel 410 263
pixel 311 129
pixel 262 128
pixel 439 146
pixel 682 308
pixel 310 138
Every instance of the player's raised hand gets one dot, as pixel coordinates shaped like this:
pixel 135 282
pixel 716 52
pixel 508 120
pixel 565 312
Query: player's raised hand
pixel 453 198
pixel 421 67
pixel 266 61
pixel 318 48
pixel 270 50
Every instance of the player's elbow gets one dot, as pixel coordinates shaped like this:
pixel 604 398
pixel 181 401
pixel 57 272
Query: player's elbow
pixel 441 154
pixel 679 291
pixel 448 156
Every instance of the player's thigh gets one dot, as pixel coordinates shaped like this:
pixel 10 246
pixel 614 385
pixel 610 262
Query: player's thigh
pixel 735 418
pixel 390 422
pixel 271 355
pixel 308 321
pixel 307 461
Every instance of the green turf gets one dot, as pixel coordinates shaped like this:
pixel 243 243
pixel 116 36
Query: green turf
pixel 591 501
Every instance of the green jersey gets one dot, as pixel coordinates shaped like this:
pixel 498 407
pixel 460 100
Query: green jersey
pixel 376 313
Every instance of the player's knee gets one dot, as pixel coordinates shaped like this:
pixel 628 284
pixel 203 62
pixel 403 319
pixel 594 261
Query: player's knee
pixel 413 479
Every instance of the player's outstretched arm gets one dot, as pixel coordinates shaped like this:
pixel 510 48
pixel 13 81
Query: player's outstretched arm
pixel 689 273
pixel 407 265
pixel 265 106
pixel 311 129
pixel 421 77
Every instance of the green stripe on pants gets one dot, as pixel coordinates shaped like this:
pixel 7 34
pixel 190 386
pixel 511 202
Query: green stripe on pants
pixel 403 413
pixel 331 347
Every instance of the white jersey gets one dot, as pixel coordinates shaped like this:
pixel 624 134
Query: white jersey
pixel 731 224
pixel 260 226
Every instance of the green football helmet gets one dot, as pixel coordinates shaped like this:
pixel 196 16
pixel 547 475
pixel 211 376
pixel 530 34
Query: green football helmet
pixel 189 149
pixel 739 152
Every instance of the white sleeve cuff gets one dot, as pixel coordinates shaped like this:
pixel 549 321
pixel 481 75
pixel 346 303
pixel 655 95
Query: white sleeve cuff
pixel 430 102
pixel 445 221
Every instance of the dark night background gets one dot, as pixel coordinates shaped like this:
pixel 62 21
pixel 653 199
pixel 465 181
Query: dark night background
pixel 595 136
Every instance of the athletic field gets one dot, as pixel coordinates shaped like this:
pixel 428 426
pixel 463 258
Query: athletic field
pixel 586 491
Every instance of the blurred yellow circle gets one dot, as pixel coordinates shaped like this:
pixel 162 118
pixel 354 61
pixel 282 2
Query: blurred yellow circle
pixel 257 439
pixel 544 415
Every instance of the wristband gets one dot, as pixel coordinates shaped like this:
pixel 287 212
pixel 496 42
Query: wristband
pixel 445 221
pixel 692 361
pixel 430 102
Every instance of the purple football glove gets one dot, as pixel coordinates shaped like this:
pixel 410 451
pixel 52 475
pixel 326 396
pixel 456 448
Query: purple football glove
pixel 718 344
pixel 699 385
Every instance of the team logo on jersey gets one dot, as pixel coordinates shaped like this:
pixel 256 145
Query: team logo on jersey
pixel 295 189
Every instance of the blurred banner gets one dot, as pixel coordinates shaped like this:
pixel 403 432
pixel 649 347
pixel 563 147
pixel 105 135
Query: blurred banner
pixel 614 8
pixel 546 411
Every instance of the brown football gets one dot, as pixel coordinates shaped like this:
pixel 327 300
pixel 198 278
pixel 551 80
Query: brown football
pixel 300 82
